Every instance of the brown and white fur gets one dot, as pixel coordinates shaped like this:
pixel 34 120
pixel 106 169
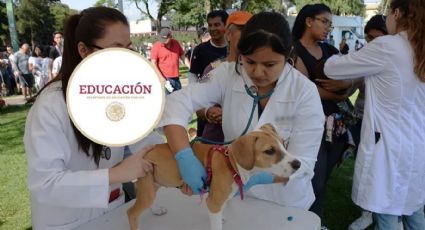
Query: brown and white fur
pixel 257 150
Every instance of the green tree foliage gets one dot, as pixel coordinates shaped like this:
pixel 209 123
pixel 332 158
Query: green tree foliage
pixel 60 13
pixel 193 12
pixel 258 6
pixel 222 4
pixel 35 23
pixel 253 6
pixel 4 28
pixel 338 7
pixel 36 20
pixel 188 13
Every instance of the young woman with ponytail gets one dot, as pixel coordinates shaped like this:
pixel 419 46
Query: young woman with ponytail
pixel 389 176
pixel 70 178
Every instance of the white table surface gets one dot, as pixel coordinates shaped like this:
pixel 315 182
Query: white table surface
pixel 185 213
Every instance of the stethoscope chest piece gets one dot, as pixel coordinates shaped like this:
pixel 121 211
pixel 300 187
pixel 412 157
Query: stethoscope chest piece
pixel 106 152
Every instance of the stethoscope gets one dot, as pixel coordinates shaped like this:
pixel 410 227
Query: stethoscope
pixel 252 91
pixel 106 152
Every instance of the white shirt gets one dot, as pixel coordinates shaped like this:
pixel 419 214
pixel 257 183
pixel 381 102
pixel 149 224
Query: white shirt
pixel 45 67
pixel 36 62
pixel 12 61
pixel 57 63
pixel 67 189
pixel 389 175
pixel 294 109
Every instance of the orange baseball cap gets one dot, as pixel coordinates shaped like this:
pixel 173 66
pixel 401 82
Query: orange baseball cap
pixel 238 18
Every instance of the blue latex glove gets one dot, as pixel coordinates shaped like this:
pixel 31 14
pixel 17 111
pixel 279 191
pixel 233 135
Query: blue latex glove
pixel 259 178
pixel 191 169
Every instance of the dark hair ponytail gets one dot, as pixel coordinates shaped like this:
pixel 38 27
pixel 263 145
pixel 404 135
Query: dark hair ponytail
pixel 71 58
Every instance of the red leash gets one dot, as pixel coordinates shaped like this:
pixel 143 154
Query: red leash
pixel 235 174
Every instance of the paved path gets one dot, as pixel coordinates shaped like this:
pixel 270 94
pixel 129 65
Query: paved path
pixel 20 100
pixel 15 100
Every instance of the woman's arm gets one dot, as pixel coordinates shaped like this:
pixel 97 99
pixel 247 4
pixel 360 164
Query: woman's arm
pixel 327 95
pixel 324 94
pixel 177 137
pixel 131 168
pixel 182 104
pixel 368 61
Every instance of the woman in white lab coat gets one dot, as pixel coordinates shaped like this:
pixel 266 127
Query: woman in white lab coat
pixel 294 108
pixel 389 176
pixel 71 179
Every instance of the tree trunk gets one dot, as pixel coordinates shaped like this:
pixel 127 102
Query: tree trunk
pixel 158 25
pixel 32 34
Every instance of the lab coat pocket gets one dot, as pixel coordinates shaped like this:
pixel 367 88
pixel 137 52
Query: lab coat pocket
pixel 97 212
pixel 116 203
pixel 284 126
pixel 284 121
pixel 377 137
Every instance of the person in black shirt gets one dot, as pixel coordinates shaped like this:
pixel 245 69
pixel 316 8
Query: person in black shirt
pixel 311 27
pixel 55 51
pixel 207 52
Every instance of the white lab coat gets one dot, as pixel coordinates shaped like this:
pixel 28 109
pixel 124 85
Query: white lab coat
pixel 294 109
pixel 66 187
pixel 389 176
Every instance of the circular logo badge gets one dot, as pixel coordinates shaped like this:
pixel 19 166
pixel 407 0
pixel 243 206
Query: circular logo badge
pixel 115 97
pixel 115 111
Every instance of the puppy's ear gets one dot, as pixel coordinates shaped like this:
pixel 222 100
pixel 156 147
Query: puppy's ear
pixel 269 128
pixel 243 150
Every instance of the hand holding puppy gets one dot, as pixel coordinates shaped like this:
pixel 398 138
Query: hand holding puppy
pixel 191 169
pixel 334 85
pixel 213 114
pixel 262 178
pixel 133 167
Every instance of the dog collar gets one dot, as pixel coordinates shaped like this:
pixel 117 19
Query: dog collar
pixel 236 177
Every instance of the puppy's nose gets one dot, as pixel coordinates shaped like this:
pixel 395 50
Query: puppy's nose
pixel 296 164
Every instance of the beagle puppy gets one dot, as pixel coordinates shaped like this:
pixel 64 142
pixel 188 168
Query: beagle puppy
pixel 258 150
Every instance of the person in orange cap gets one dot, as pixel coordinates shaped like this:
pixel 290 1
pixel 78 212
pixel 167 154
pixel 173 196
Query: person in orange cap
pixel 234 25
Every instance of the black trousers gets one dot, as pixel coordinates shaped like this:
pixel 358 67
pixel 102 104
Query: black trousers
pixel 328 157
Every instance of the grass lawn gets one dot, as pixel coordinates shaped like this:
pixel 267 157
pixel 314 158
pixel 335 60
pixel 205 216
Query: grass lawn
pixel 14 202
pixel 183 71
pixel 15 206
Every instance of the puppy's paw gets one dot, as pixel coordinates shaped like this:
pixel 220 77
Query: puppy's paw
pixel 158 210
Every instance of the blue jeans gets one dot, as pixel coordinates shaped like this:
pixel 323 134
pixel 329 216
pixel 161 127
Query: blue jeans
pixel 416 221
pixel 175 83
